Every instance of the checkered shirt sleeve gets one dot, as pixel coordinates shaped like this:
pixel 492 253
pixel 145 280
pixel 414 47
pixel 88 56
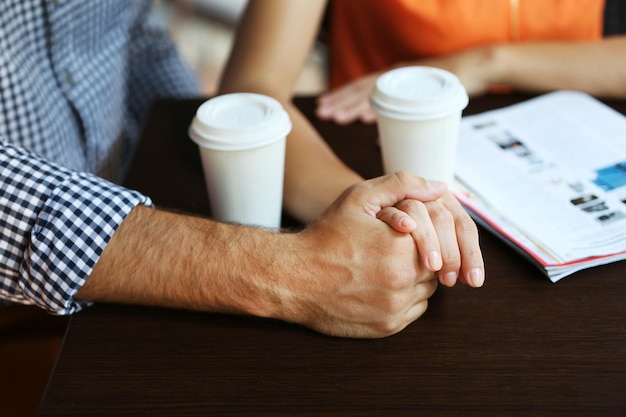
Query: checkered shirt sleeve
pixel 54 224
pixel 77 79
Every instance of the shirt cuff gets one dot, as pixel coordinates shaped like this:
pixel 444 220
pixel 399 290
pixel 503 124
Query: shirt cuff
pixel 72 229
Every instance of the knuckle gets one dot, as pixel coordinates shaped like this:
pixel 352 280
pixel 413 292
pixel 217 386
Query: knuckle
pixel 356 192
pixel 440 213
pixel 427 289
pixel 391 325
pixel 355 188
pixel 452 261
pixel 467 226
pixel 404 176
pixel 451 255
pixel 395 216
pixel 401 281
pixel 393 304
pixel 426 275
pixel 421 308
pixel 411 206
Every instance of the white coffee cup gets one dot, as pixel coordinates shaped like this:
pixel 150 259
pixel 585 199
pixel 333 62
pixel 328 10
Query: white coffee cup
pixel 241 138
pixel 419 111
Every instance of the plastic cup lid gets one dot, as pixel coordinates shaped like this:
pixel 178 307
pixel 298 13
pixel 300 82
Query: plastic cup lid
pixel 416 93
pixel 239 121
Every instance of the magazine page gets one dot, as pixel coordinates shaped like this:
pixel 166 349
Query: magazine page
pixel 550 174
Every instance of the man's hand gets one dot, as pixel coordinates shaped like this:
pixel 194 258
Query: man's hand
pixel 361 278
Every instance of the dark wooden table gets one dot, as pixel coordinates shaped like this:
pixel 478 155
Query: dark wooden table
pixel 519 346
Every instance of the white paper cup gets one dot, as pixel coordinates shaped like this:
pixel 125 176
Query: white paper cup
pixel 241 138
pixel 419 111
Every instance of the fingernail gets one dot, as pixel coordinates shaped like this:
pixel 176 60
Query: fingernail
pixel 408 223
pixel 476 277
pixel 450 278
pixel 434 261
pixel 341 116
pixel 437 186
pixel 323 112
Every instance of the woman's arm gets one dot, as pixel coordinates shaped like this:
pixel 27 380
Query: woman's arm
pixel 273 41
pixel 592 67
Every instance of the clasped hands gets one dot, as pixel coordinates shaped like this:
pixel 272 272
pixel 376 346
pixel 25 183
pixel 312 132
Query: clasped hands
pixel 380 249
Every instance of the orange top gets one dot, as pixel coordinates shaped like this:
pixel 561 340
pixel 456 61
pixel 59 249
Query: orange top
pixel 371 35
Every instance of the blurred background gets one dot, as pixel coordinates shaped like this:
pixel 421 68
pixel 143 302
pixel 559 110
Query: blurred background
pixel 29 338
pixel 204 30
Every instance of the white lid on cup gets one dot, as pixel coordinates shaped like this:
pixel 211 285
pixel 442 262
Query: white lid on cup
pixel 418 93
pixel 239 121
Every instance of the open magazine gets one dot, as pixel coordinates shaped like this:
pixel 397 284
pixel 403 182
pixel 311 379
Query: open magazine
pixel 548 175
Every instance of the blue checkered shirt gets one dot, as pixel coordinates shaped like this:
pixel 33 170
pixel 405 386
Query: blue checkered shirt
pixel 77 78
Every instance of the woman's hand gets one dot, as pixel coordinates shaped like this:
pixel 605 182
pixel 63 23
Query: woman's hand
pixel 351 102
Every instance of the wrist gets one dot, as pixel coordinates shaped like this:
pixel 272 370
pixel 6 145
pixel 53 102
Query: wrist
pixel 309 197
pixel 266 275
pixel 297 278
pixel 496 64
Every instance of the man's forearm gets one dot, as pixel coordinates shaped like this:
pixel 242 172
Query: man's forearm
pixel 166 259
